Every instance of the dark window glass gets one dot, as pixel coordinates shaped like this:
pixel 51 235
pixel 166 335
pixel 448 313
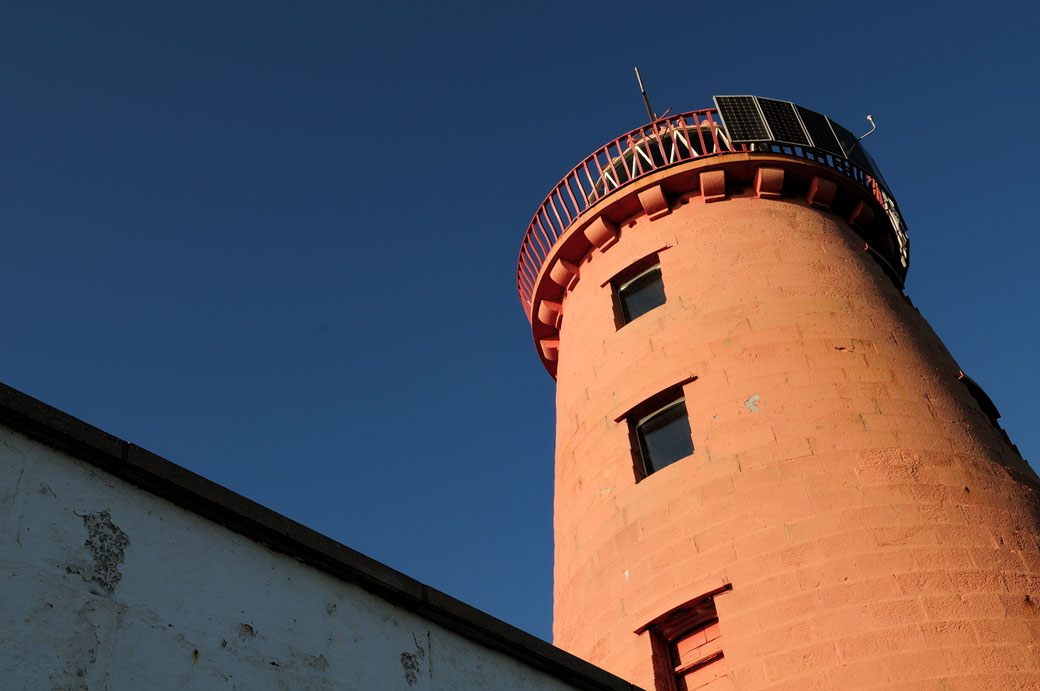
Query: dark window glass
pixel 641 294
pixel 664 437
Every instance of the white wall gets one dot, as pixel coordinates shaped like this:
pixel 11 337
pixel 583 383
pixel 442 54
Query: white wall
pixel 106 586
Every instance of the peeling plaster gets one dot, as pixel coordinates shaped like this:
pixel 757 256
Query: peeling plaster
pixel 107 544
pixel 411 663
pixel 246 632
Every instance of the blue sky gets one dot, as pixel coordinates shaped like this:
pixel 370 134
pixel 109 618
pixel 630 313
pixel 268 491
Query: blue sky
pixel 276 242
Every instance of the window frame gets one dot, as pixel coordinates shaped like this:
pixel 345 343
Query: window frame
pixel 625 278
pixel 679 669
pixel 630 285
pixel 672 627
pixel 634 415
pixel 664 411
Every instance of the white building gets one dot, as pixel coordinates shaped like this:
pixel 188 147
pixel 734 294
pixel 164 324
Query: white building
pixel 121 570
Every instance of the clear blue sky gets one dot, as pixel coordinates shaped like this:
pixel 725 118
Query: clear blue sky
pixel 276 242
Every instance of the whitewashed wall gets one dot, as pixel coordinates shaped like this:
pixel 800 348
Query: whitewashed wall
pixel 103 585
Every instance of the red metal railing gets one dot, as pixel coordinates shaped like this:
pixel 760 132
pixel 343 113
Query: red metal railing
pixel 665 142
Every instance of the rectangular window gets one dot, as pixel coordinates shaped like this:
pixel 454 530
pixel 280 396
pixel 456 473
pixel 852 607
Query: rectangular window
pixel 663 435
pixel 637 289
pixel 640 294
pixel 687 647
pixel 696 656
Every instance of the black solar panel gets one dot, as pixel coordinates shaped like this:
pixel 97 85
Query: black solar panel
pixel 875 169
pixel 742 119
pixel 819 128
pixel 845 137
pixel 752 119
pixel 855 152
pixel 783 121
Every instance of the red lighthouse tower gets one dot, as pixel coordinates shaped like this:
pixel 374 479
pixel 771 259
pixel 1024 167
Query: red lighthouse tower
pixel 770 472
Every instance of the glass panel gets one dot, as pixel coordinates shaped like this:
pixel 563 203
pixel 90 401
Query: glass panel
pixel 642 295
pixel 665 438
pixel 783 121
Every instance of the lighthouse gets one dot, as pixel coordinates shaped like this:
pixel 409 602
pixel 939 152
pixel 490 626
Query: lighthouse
pixel 770 473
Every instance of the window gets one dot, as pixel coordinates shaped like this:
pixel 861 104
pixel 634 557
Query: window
pixel 658 427
pixel 637 289
pixel 687 646
pixel 663 435
pixel 696 656
pixel 640 294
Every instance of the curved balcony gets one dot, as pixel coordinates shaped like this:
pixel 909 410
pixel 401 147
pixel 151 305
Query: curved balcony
pixel 671 141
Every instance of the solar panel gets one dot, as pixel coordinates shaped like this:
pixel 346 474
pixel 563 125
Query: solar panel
pixel 742 118
pixel 875 169
pixel 752 119
pixel 819 128
pixel 850 143
pixel 783 121
pixel 855 152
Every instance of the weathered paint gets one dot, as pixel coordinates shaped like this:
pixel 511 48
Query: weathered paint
pixel 105 586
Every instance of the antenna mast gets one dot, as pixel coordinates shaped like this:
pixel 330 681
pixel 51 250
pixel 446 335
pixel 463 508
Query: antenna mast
pixel 646 100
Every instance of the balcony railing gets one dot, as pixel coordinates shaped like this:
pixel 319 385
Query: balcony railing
pixel 666 142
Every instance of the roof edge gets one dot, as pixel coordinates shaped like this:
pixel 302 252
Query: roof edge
pixel 194 493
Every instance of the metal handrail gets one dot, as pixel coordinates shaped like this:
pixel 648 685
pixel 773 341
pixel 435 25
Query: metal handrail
pixel 665 142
